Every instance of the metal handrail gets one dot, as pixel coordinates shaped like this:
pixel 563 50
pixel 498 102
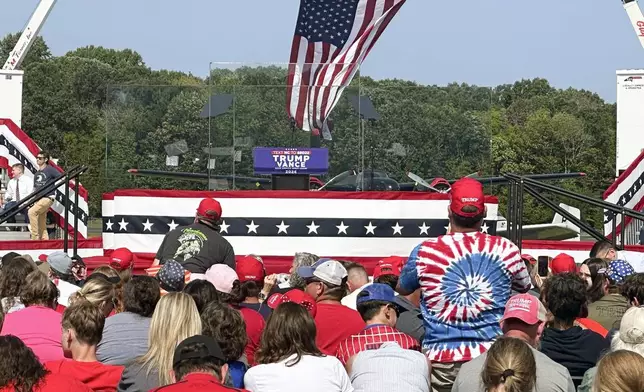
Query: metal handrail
pixel 73 173
pixel 515 206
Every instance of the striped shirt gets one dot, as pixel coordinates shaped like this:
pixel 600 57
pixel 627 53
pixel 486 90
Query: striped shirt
pixel 372 337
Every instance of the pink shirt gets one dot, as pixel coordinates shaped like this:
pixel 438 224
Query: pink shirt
pixel 39 328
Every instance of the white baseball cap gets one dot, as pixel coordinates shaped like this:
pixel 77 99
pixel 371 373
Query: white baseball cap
pixel 327 270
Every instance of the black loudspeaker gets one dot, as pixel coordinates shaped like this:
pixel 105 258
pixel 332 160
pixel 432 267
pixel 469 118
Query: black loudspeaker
pixel 290 182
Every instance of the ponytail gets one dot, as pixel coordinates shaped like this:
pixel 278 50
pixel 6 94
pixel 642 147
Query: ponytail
pixel 510 362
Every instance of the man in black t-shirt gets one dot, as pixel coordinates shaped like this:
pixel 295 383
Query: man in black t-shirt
pixel 38 211
pixel 198 246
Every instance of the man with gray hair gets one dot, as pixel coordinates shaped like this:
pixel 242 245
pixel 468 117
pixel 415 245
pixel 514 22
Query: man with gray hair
pixel 277 283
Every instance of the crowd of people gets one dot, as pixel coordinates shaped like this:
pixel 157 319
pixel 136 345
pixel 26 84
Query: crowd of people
pixel 464 312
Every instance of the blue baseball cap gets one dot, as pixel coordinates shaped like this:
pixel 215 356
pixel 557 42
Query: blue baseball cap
pixel 376 292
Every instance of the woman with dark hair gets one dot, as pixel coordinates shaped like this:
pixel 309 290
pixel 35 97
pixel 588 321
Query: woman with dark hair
pixel 596 278
pixel 226 326
pixel 226 282
pixel 38 325
pixel 289 360
pixel 12 277
pixel 21 371
pixel 203 292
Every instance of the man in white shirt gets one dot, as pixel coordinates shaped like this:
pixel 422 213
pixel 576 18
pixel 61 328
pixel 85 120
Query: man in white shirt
pixel 605 250
pixel 357 279
pixel 18 188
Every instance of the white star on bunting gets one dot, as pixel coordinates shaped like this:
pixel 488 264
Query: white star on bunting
pixel 397 229
pixel 173 225
pixel 313 228
pixel 484 227
pixel 123 224
pixel 281 228
pixel 424 229
pixel 342 228
pixel 370 228
pixel 109 224
pixel 223 228
pixel 252 227
pixel 147 225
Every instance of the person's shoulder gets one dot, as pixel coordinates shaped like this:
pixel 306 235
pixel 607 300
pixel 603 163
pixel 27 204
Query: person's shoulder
pixel 474 366
pixel 543 359
pixel 249 313
pixel 55 365
pixel 59 382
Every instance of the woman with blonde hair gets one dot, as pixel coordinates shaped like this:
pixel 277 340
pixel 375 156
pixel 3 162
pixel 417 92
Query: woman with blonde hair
pixel 114 276
pixel 100 291
pixel 509 367
pixel 620 371
pixel 175 319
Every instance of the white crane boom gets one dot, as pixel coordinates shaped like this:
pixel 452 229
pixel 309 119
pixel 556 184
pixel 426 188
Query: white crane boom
pixel 29 35
pixel 637 19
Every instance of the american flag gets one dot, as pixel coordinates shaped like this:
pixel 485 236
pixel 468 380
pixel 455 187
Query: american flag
pixel 332 38
pixel 626 191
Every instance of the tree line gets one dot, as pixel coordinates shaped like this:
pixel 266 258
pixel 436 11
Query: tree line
pixel 107 109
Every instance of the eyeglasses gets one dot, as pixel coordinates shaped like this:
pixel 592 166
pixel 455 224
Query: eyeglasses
pixel 40 158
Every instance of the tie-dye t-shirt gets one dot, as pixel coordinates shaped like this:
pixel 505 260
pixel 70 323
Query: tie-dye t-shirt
pixel 465 281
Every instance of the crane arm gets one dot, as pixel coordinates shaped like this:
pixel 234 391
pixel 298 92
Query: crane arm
pixel 637 19
pixel 28 36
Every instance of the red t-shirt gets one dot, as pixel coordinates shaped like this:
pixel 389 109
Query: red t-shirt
pixel 335 322
pixel 373 337
pixel 55 383
pixel 254 327
pixel 197 382
pixel 98 376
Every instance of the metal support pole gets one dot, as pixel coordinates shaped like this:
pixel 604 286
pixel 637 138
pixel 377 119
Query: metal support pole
pixel 614 232
pixel 76 210
pixel 512 211
pixel 582 225
pixel 520 215
pixel 622 231
pixel 66 217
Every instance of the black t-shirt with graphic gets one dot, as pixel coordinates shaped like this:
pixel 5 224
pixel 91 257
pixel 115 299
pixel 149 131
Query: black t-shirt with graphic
pixel 43 176
pixel 197 247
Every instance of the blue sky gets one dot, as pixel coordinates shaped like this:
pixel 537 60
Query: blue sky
pixel 572 43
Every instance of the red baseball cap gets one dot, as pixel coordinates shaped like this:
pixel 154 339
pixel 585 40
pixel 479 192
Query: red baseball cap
pixel 209 209
pixel 121 259
pixel 563 263
pixel 467 192
pixel 295 295
pixel 441 184
pixel 529 258
pixel 249 268
pixel 526 308
pixel 391 265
